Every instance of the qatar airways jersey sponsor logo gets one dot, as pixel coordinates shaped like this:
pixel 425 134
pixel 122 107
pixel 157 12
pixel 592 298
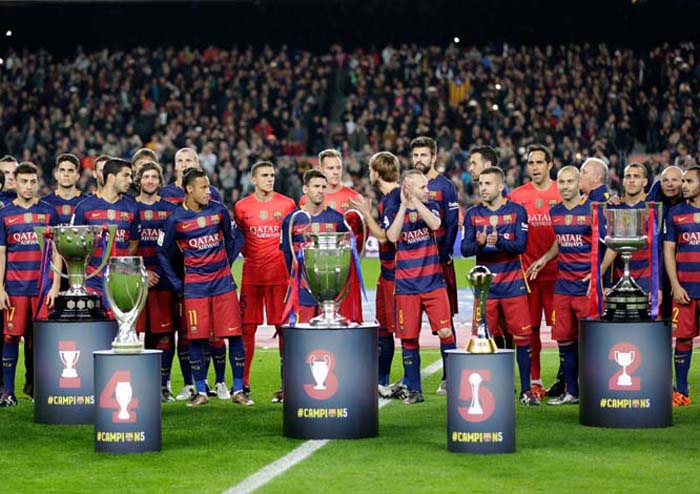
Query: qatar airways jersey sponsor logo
pixel 570 240
pixel 120 235
pixel 25 238
pixel 265 231
pixel 204 242
pixel 539 219
pixel 150 234
pixel 415 236
pixel 691 238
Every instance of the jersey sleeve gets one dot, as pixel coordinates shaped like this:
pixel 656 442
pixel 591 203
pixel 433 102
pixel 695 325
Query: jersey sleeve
pixel 469 245
pixel 167 251
pixel 451 205
pixel 518 244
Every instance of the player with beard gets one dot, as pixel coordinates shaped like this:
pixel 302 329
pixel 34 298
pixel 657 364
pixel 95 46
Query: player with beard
pixel 20 272
pixel 537 197
pixel 140 158
pixel 384 172
pixel 444 194
pixel 66 196
pixel 500 250
pixel 264 282
pixel 202 231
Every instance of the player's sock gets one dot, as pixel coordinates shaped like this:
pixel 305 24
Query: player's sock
pixel 197 349
pixel 183 356
pixel 236 355
pixel 10 355
pixel 249 346
pixel 165 344
pixel 683 354
pixel 386 355
pixel 218 356
pixel 568 355
pixel 411 365
pixel 522 353
pixel 535 350
pixel 207 358
pixel 446 344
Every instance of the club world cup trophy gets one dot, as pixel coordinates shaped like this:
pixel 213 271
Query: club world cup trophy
pixel 480 278
pixel 126 288
pixel 326 258
pixel 76 245
pixel 626 234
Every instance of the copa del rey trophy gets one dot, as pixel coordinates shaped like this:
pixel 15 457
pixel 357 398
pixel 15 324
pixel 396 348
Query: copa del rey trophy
pixel 626 234
pixel 480 278
pixel 326 258
pixel 126 288
pixel 76 245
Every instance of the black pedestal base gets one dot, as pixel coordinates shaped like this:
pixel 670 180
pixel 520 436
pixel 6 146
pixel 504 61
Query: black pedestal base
pixel 79 307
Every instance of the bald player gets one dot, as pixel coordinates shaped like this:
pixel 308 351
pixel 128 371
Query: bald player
pixel 593 179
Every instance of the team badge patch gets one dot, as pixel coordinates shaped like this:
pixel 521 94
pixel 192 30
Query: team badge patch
pixel 413 217
pixel 581 220
pixel 201 222
pixel 263 214
pixel 111 214
pixel 65 209
pixel 215 219
pixel 508 219
pixel 277 215
pixel 27 217
pixel 696 217
pixel 125 216
pixel 41 218
pixel 568 219
pixel 162 215
pixel 552 202
pixel 148 214
pixel 315 227
pixel 493 220
pixel 539 203
pixel 331 204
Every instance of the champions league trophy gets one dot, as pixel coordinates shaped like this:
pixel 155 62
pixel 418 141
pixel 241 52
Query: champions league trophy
pixel 480 278
pixel 626 234
pixel 326 266
pixel 76 246
pixel 126 288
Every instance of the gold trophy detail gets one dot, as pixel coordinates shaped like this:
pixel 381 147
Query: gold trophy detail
pixel 480 279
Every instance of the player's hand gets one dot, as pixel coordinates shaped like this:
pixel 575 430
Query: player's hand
pixel 534 269
pixel 481 236
pixel 4 300
pixel 405 195
pixel 153 278
pixel 614 200
pixel 588 279
pixel 363 205
pixel 51 296
pixel 492 237
pixel 680 295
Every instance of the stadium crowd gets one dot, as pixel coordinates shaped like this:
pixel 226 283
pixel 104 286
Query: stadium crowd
pixel 240 105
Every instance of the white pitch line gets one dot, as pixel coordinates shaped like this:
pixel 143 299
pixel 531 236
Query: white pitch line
pixel 300 453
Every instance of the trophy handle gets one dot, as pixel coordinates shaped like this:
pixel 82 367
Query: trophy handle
pixel 290 233
pixel 361 251
pixel 111 230
pixel 40 231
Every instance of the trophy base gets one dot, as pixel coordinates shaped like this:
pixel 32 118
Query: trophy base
pixel 481 345
pixel 130 347
pixel 78 307
pixel 626 307
pixel 333 321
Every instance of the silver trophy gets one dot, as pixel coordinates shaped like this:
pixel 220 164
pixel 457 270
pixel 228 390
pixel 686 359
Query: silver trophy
pixel 626 234
pixel 126 288
pixel 327 257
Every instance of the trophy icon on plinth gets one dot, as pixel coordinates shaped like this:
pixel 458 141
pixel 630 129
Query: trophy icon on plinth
pixel 319 370
pixel 326 266
pixel 624 360
pixel 480 278
pixel 76 245
pixel 627 301
pixel 126 288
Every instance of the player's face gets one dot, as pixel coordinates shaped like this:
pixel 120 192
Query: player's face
pixel 373 176
pixel 199 191
pixel 66 174
pixel 476 164
pixel 419 188
pixel 634 181
pixel 671 182
pixel 316 191
pixel 123 180
pixel 332 168
pixel 8 169
pixel 587 178
pixel 490 187
pixel 150 182
pixel 691 185
pixel 422 158
pixel 97 173
pixel 264 179
pixel 27 186
pixel 538 168
pixel 568 185
pixel 184 160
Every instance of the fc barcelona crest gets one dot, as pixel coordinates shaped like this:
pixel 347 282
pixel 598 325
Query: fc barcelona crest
pixel 568 219
pixel 315 227
pixel 696 217
pixel 581 220
pixel 263 214
pixel 508 219
pixel 111 214
pixel 493 220
pixel 331 204
pixel 162 215
pixel 215 219
pixel 201 221
pixel 27 217
pixel 539 203
pixel 65 209
pixel 277 215
pixel 148 214
pixel 413 217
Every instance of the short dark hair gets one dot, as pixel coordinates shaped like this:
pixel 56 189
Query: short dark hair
pixel 8 159
pixel 102 157
pixel 114 166
pixel 260 164
pixel 70 158
pixel 26 168
pixel 487 154
pixel 494 170
pixel 148 166
pixel 192 174
pixel 638 166
pixel 424 142
pixel 541 148
pixel 311 174
pixel 694 168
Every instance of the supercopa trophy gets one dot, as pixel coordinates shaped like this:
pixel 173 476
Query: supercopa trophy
pixel 626 301
pixel 126 288
pixel 326 266
pixel 76 245
pixel 480 278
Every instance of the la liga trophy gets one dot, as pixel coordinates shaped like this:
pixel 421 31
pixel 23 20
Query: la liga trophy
pixel 480 278
pixel 326 266
pixel 126 288
pixel 627 233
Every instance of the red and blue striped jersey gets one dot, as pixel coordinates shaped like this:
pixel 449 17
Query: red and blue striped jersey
pixel 387 250
pixel 6 197
pixel 443 192
pixel 504 258
pixel 17 235
pixel 64 207
pixel 418 268
pixel 209 246
pixel 328 220
pixel 573 231
pixel 683 228
pixel 599 194
pixel 152 218
pixel 176 195
pixel 94 210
